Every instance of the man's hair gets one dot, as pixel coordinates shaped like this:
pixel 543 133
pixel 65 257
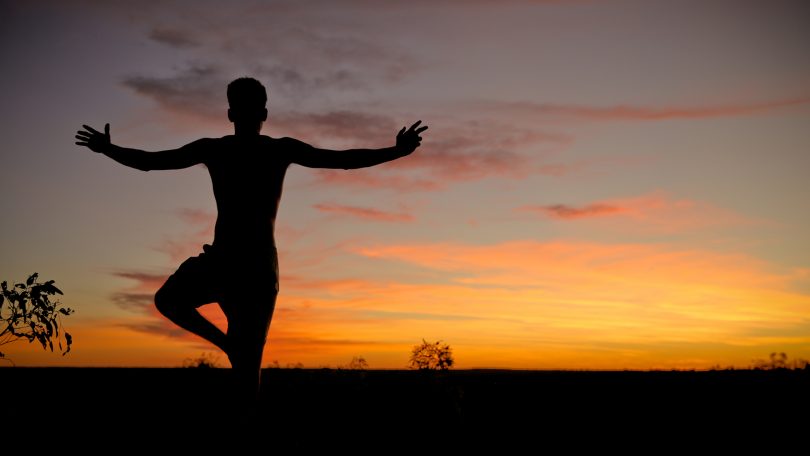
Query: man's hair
pixel 246 93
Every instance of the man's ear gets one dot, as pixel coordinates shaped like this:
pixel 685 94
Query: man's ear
pixel 230 115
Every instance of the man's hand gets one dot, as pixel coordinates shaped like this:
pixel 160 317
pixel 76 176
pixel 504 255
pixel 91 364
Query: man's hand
pixel 408 140
pixel 93 139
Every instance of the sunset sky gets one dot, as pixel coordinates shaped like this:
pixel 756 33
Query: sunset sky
pixel 604 184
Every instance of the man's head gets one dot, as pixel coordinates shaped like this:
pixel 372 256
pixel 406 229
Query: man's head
pixel 247 99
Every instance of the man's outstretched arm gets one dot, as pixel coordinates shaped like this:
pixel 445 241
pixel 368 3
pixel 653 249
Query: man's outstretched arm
pixel 188 155
pixel 312 157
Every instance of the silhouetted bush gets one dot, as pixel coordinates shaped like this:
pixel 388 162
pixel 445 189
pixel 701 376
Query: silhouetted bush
pixel 357 363
pixel 204 361
pixel 780 361
pixel 27 312
pixel 431 356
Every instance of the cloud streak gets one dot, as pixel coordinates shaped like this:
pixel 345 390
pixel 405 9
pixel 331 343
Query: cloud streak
pixel 463 152
pixel 140 297
pixel 566 212
pixel 173 37
pixel 197 91
pixel 657 212
pixel 365 213
pixel 640 113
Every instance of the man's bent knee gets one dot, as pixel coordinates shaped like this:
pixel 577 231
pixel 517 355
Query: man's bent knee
pixel 164 302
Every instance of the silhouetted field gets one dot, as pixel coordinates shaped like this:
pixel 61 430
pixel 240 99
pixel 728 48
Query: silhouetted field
pixel 308 409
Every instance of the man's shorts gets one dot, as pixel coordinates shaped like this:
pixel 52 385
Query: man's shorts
pixel 216 275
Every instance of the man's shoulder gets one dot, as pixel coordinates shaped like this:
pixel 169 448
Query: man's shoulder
pixel 291 143
pixel 205 142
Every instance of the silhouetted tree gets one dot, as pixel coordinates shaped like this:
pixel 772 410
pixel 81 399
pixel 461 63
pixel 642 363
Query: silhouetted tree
pixel 431 356
pixel 27 312
pixel 780 361
pixel 357 363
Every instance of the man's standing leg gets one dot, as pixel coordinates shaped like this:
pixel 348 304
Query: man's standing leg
pixel 248 323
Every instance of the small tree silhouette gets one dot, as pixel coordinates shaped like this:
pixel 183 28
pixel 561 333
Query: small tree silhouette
pixel 27 311
pixel 779 361
pixel 431 356
pixel 357 363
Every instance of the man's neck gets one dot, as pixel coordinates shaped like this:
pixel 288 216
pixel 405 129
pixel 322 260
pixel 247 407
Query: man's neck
pixel 247 130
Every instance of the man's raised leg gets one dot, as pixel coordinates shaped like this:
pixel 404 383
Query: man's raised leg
pixel 183 312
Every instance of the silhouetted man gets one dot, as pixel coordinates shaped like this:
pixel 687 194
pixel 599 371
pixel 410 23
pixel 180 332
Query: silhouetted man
pixel 239 270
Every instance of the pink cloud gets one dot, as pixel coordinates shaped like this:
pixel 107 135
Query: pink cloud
pixel 658 212
pixel 375 179
pixel 365 213
pixel 566 212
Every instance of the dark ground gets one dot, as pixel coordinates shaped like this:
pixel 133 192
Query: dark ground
pixel 367 411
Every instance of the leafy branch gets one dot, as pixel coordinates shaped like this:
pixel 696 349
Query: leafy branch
pixel 27 312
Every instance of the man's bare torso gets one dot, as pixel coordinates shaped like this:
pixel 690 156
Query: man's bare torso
pixel 247 174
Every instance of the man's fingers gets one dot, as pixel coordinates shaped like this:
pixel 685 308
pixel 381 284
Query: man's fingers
pixel 107 130
pixel 81 143
pixel 91 129
pixel 416 124
pixel 420 130
pixel 401 131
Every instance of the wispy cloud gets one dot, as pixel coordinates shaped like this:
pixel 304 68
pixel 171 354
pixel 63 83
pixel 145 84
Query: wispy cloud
pixel 639 113
pixel 140 296
pixel 463 151
pixel 134 301
pixel 657 211
pixel 197 90
pixel 365 213
pixel 361 178
pixel 303 50
pixel 356 127
pixel 566 212
pixel 158 327
pixel 174 37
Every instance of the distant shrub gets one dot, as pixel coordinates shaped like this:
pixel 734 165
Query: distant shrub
pixel 204 361
pixel 357 363
pixel 27 312
pixel 780 361
pixel 431 356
